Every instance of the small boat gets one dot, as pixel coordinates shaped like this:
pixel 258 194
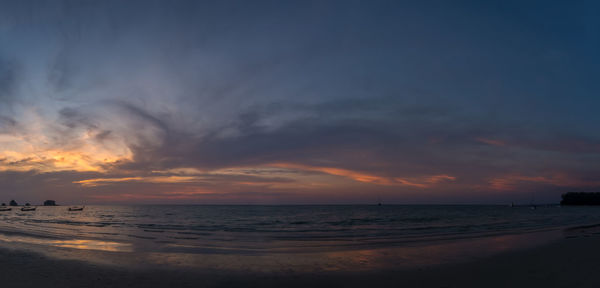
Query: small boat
pixel 28 208
pixel 5 209
pixel 76 208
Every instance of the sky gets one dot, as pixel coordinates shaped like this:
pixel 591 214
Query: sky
pixel 298 102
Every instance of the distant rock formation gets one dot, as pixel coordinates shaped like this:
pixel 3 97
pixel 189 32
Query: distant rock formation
pixel 49 203
pixel 581 198
pixel 13 203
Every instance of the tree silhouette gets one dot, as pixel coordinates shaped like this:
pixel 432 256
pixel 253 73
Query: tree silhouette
pixel 581 198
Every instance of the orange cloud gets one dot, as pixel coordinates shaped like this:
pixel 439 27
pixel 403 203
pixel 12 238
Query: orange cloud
pixel 153 179
pixel 426 181
pixel 511 182
pixel 86 158
pixel 357 176
pixel 35 148
pixel 262 176
pixel 173 195
pixel 492 142
pixel 420 182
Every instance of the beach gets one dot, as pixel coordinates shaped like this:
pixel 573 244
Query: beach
pixel 570 261
pixel 300 246
pixel 216 144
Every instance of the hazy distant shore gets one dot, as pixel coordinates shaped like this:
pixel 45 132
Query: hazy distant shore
pixel 568 262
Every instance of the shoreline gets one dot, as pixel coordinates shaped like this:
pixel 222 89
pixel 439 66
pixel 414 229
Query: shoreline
pixel 566 262
pixel 405 256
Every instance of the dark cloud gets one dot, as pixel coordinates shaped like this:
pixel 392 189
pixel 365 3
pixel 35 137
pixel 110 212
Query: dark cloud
pixel 7 125
pixel 8 81
pixel 389 89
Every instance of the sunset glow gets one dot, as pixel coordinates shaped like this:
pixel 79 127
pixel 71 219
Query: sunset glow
pixel 272 109
pixel 216 144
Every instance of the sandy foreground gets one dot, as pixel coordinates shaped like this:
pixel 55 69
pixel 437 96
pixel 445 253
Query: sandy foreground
pixel 573 261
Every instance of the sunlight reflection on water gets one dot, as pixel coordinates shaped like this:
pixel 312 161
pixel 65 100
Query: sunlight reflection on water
pixel 74 243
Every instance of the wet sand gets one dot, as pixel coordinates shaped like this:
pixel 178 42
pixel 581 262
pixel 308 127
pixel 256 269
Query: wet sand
pixel 569 262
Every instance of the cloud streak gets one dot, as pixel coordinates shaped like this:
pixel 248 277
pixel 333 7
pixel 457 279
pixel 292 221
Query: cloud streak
pixel 295 102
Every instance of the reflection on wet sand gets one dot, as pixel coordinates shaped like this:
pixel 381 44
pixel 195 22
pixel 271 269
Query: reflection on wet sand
pixel 72 243
pixel 382 258
pixel 93 245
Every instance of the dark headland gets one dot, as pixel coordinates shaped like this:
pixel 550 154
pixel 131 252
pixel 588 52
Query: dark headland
pixel 581 198
pixel 50 203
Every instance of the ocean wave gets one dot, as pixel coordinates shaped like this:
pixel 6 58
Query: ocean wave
pixel 266 227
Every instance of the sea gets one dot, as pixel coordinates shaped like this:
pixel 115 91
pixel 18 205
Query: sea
pixel 193 232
